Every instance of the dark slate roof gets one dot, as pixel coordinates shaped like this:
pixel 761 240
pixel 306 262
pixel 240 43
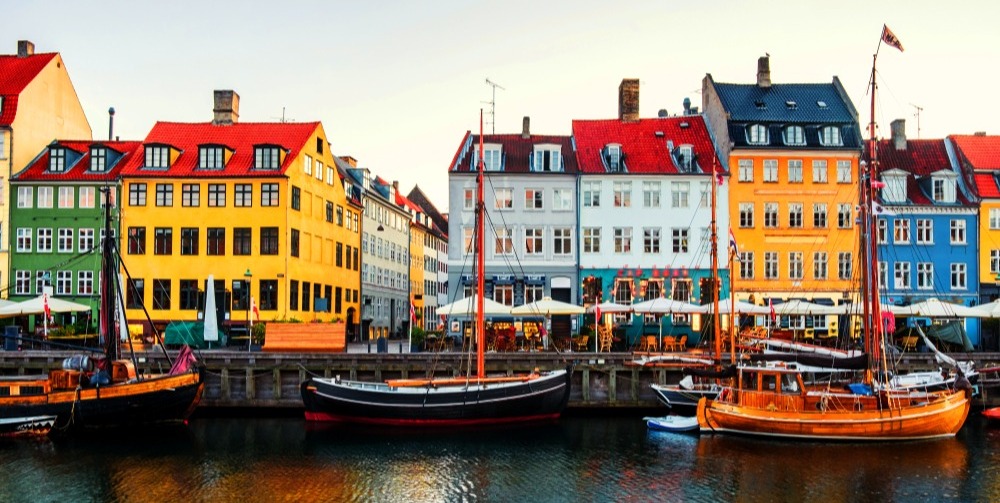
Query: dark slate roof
pixel 516 151
pixel 920 158
pixel 440 221
pixel 129 153
pixel 644 143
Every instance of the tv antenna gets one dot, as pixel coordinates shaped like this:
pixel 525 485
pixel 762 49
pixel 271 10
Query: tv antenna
pixel 917 115
pixel 493 105
pixel 283 119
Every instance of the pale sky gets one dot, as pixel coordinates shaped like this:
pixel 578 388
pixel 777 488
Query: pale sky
pixel 398 83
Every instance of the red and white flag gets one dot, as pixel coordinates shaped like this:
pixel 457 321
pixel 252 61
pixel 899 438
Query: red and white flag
pixel 774 315
pixel 413 313
pixel 890 38
pixel 253 307
pixel 45 305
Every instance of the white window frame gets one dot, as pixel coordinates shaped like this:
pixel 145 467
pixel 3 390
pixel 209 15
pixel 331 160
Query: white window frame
pixel 819 171
pixel 770 171
pixel 830 136
pixel 592 194
pixel 844 170
pixel 504 199
pixel 901 276
pixel 680 194
pixel 795 171
pixel 771 265
pixel 562 200
pixel 651 194
pixel 745 170
pixel 959 276
pixel 925 231
pixel 622 194
pixel 958 234
pixel 820 265
pixel 746 215
pixel 925 276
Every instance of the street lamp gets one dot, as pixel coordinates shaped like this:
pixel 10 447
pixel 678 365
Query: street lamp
pixel 249 276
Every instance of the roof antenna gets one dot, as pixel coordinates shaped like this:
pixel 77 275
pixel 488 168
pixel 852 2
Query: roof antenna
pixel 917 115
pixel 493 104
pixel 111 123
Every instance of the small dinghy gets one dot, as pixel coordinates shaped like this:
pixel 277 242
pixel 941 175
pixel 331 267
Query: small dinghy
pixel 672 423
pixel 992 414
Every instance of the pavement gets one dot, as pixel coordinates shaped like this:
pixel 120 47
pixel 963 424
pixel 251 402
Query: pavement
pixel 392 346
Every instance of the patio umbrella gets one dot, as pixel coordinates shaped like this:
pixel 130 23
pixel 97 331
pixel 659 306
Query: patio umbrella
pixel 211 318
pixel 933 308
pixel 662 305
pixel 741 308
pixel 547 306
pixel 989 309
pixel 800 307
pixel 610 307
pixel 37 306
pixel 467 306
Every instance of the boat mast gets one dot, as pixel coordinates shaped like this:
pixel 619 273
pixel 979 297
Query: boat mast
pixel 869 252
pixel 109 293
pixel 715 269
pixel 480 263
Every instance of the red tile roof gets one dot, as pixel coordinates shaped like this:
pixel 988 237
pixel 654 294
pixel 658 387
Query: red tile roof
pixel 986 185
pixel 645 151
pixel 240 138
pixel 982 152
pixel 517 151
pixel 920 158
pixel 38 170
pixel 15 74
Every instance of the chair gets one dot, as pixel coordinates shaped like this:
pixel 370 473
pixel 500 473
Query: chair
pixel 604 339
pixel 581 343
pixel 681 344
pixel 809 335
pixel 909 343
pixel 668 343
pixel 648 343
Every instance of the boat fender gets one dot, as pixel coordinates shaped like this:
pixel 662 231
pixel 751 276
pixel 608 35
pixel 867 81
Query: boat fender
pixel 823 403
pixel 100 378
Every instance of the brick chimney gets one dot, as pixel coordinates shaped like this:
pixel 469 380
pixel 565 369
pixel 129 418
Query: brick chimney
pixel 526 127
pixel 764 71
pixel 628 100
pixel 898 128
pixel 25 48
pixel 227 108
pixel 349 160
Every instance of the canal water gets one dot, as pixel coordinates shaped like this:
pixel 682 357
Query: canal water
pixel 577 459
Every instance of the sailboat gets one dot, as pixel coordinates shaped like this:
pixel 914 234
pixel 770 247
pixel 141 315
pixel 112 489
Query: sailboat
pixel 774 400
pixel 457 401
pixel 101 391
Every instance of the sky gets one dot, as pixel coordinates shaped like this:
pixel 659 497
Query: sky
pixel 397 84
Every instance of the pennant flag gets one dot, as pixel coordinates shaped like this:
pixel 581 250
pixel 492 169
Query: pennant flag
pixel 774 315
pixel 45 305
pixel 880 210
pixel 413 313
pixel 876 184
pixel 732 244
pixel 253 307
pixel 597 314
pixel 890 38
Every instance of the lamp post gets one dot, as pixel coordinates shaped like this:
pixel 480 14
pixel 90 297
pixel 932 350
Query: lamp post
pixel 249 276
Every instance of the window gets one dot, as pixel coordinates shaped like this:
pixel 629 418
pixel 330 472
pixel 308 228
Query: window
pixel 958 276
pixel 592 240
pixel 706 194
pixel 757 134
pixel 190 195
pixel 592 195
pixel 562 200
pixel 66 197
pixel 266 158
pixel 504 198
pixel 651 194
pixel 958 232
pixel 269 241
pixel 157 157
pixel 547 159
pixel 829 136
pixel 844 219
pixel 534 199
pixel 925 231
pixel 771 170
pixel 504 241
pixel 85 240
pixel 795 171
pixel 492 159
pixel 241 295
pixel 771 215
pixel 994 262
pixel 994 216
pixel 533 239
pixel 24 238
pixel 679 194
pixel 210 157
pixel 795 215
pixel 64 242
pixel 819 265
pixel 136 292
pixel 925 276
pixel 137 194
pixel 819 215
pixel 795 266
pixel 98 159
pixel 613 158
pixel 243 195
pixel 293 241
pixel 746 170
pixel 44 240
pixel 85 283
pixel 87 197
pixel 533 293
pixel 622 194
pixel 819 171
pixel 746 265
pixel 685 154
pixel 269 194
pixel 746 215
pixel 57 160
pixel 623 239
pixel 469 198
pixel 340 216
pixel 296 198
pixel 562 241
pixel 216 241
pixel 883 275
pixel 22 282
pixel 339 255
pixel 794 135
pixel 680 240
pixel 329 214
pixel 161 294
pixel 136 240
pixel 504 294
pixel 901 231
pixel 269 295
pixel 242 241
pixel 843 171
pixel 883 231
pixel 844 263
pixel 189 240
pixel 216 195
pixel 189 294
pixel 164 194
pixel 770 265
pixel 44 197
pixel 293 295
pixel 163 241
pixel 651 240
pixel 26 194
pixel 902 275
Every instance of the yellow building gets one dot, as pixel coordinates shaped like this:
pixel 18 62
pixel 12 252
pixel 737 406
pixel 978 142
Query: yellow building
pixel 260 207
pixel 37 105
pixel 793 151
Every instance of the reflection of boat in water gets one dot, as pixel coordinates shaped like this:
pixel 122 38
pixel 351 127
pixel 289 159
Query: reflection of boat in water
pixel 469 400
pixel 26 425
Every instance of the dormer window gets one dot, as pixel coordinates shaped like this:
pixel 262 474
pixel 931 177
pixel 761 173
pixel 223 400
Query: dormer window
pixel 492 158
pixel 943 189
pixel 98 159
pixel 794 135
pixel 829 136
pixel 211 157
pixel 547 158
pixel 760 105
pixel 57 160
pixel 613 158
pixel 791 105
pixel 157 157
pixel 821 104
pixel 895 187
pixel 685 157
pixel 757 134
pixel 267 157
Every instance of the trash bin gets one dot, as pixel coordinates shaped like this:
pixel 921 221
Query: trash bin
pixel 382 346
pixel 10 335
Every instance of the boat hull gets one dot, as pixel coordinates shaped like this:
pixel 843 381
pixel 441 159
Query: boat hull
pixel 675 424
pixel 540 398
pixel 26 425
pixel 941 416
pixel 684 401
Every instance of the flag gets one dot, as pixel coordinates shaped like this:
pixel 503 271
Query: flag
pixel 890 38
pixel 597 314
pixel 253 307
pixel 413 313
pixel 733 247
pixel 774 316
pixel 876 184
pixel 880 210
pixel 45 305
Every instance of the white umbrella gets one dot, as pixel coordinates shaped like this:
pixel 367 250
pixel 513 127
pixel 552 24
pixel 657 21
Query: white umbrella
pixel 800 307
pixel 741 308
pixel 467 306
pixel 37 306
pixel 211 319
pixel 610 307
pixel 989 309
pixel 662 305
pixel 547 306
pixel 933 308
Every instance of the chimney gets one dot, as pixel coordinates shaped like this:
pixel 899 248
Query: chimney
pixel 628 100
pixel 227 108
pixel 898 128
pixel 349 160
pixel 526 127
pixel 764 71
pixel 25 48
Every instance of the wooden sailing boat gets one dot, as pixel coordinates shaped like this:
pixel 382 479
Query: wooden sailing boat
pixel 85 393
pixel 773 400
pixel 469 400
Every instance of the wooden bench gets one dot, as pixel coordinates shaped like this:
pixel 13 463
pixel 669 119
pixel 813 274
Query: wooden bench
pixel 305 337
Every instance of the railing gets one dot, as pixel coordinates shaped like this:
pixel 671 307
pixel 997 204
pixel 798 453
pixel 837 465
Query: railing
pixel 770 400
